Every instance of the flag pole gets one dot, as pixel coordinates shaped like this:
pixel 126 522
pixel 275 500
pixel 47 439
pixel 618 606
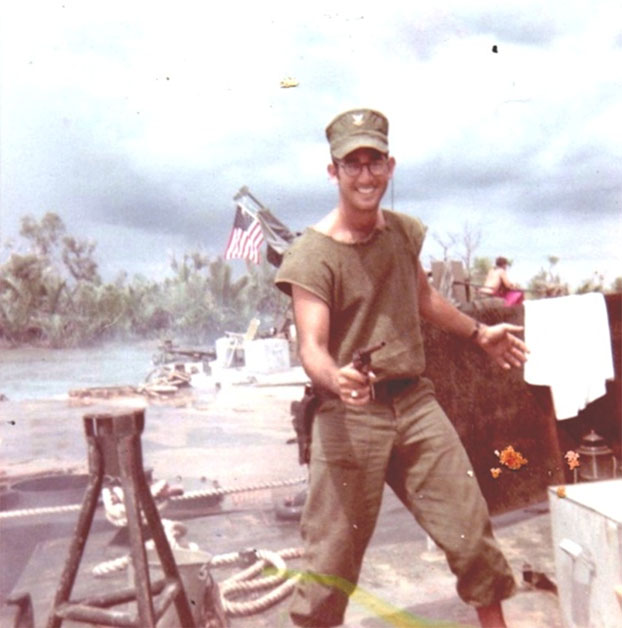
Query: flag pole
pixel 239 199
pixel 257 201
pixel 246 210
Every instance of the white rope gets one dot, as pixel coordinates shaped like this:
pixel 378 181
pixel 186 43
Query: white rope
pixel 111 566
pixel 220 560
pixel 245 582
pixel 114 502
pixel 44 510
pixel 174 531
pixel 215 492
pixel 242 583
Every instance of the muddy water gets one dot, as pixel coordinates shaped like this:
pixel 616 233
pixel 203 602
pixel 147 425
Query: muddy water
pixel 30 373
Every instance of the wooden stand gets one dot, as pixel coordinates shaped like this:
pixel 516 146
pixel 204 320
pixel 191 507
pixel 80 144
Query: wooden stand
pixel 114 449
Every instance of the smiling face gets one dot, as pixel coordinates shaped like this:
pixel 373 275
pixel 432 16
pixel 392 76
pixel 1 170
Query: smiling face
pixel 362 176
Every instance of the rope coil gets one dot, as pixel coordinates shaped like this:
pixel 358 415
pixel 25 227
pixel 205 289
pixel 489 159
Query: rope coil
pixel 242 583
pixel 246 582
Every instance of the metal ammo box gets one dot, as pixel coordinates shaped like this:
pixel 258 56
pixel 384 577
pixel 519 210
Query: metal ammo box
pixel 586 521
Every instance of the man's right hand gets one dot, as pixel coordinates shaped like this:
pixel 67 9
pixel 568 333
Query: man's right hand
pixel 354 386
pixel 313 324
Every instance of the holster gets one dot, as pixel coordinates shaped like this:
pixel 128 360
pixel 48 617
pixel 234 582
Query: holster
pixel 303 412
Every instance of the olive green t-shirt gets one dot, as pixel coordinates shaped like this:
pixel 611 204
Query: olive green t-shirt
pixel 371 291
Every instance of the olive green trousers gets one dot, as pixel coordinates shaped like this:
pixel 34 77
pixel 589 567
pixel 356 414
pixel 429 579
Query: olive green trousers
pixel 409 443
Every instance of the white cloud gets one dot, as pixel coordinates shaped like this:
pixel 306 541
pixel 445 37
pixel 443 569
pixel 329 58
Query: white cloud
pixel 124 103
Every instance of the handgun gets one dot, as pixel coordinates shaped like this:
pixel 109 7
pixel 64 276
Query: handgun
pixel 361 360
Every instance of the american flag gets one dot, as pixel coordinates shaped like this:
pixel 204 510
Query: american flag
pixel 246 237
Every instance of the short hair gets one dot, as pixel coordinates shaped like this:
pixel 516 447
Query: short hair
pixel 501 261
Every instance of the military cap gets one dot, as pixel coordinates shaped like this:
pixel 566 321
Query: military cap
pixel 357 128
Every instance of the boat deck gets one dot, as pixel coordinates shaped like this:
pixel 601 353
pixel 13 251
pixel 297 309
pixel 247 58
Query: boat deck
pixel 239 437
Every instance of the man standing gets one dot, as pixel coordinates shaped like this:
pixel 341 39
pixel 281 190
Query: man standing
pixel 356 281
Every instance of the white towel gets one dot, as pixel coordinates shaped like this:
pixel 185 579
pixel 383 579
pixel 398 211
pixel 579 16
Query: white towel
pixel 570 347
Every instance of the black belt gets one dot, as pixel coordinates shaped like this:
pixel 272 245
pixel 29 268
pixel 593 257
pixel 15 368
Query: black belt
pixel 384 391
pixel 390 388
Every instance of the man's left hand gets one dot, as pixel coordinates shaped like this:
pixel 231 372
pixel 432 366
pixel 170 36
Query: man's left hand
pixel 500 343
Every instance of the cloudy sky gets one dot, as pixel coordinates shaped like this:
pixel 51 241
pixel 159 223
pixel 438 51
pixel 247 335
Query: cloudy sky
pixel 137 121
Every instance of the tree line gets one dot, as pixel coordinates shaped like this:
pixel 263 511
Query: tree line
pixel 53 295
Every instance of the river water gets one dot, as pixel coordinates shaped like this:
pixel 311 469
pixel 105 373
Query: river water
pixel 32 373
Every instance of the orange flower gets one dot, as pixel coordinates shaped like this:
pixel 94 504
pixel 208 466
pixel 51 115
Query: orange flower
pixel 572 458
pixel 512 459
pixel 495 472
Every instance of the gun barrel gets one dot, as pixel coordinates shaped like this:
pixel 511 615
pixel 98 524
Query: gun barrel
pixel 369 350
pixel 362 357
pixel 375 347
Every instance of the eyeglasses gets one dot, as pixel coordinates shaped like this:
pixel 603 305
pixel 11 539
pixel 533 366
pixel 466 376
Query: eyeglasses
pixel 376 167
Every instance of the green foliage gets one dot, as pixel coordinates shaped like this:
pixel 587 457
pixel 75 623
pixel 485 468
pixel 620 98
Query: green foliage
pixel 547 283
pixel 45 235
pixel 593 284
pixel 78 259
pixel 616 286
pixel 479 271
pixel 53 295
pixel 269 303
pixel 29 291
